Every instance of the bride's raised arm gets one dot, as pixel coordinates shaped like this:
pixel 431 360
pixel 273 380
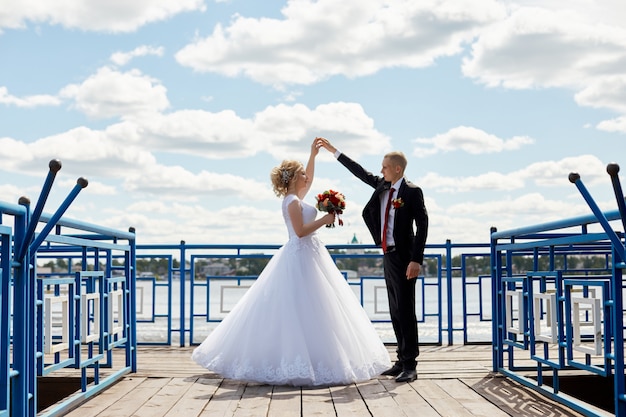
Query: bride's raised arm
pixel 310 167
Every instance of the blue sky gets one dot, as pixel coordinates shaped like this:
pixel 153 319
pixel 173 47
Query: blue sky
pixel 177 111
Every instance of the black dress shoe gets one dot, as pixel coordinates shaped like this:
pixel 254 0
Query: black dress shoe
pixel 407 376
pixel 395 370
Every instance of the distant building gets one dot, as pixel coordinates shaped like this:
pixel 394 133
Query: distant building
pixel 216 268
pixel 354 241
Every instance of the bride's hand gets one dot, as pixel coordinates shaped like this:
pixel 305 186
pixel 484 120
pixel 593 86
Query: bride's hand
pixel 324 143
pixel 329 218
pixel 315 147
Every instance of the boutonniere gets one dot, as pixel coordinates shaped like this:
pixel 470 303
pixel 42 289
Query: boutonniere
pixel 397 203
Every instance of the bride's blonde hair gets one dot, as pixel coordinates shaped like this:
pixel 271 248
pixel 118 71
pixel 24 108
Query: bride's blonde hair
pixel 282 176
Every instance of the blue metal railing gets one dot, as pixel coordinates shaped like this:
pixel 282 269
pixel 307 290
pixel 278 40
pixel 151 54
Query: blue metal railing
pixel 69 320
pixel 562 317
pixel 180 304
pixel 5 317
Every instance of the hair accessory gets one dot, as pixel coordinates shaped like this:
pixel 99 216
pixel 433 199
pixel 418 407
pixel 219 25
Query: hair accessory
pixel 285 175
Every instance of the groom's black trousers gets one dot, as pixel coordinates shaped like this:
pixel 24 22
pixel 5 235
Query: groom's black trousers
pixel 401 294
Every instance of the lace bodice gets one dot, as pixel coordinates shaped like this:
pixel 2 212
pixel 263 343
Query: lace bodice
pixel 308 213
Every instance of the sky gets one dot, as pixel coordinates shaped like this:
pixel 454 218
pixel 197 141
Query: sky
pixel 176 111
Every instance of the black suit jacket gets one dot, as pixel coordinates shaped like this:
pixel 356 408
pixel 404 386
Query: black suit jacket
pixel 412 212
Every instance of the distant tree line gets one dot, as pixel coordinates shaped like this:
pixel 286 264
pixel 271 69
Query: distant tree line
pixel 481 265
pixel 254 264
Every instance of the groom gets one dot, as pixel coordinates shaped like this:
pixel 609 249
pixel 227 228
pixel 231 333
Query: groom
pixel 389 215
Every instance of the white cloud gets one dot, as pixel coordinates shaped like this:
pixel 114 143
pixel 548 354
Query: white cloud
pixel 110 93
pixel 471 221
pixel 615 125
pixel 196 223
pixel 302 48
pixel 468 139
pixel 84 152
pixel 175 182
pixel 196 132
pixel 556 173
pixel 80 150
pixel 126 150
pixel 544 174
pixel 458 228
pixel 577 45
pixel 95 187
pixel 123 58
pixel 28 101
pixel 10 193
pixel 536 47
pixel 282 131
pixel 604 11
pixel 105 16
pixel 608 92
pixel 493 181
pixel 290 130
pixel 534 204
pixel 13 152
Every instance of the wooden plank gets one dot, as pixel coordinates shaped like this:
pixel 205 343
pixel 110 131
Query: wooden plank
pixel 132 401
pixel 170 362
pixel 255 401
pixel 225 400
pixel 444 404
pixel 286 402
pixel 164 400
pixel 470 399
pixel 317 402
pixel 195 399
pixel 378 400
pixel 105 399
pixel 452 381
pixel 408 399
pixel 348 402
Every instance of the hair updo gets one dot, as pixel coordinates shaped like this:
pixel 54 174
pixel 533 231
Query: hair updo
pixel 282 176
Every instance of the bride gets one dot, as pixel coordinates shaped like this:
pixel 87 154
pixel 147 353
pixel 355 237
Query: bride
pixel 300 323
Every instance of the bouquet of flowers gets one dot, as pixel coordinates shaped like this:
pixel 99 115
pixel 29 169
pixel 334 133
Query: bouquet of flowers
pixel 332 202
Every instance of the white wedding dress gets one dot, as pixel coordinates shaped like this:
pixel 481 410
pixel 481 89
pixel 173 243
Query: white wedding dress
pixel 299 324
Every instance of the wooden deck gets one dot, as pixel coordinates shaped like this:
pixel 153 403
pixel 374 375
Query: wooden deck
pixel 453 381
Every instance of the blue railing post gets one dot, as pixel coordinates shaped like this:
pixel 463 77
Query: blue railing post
pixel 23 394
pixel 5 316
pixel 54 167
pixel 617 243
pixel 449 287
pixel 496 284
pixel 613 170
pixel 182 270
pixel 130 266
pixel 617 286
pixel 80 184
pixel 617 321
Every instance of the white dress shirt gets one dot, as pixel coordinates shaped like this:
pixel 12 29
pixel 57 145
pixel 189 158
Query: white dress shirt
pixel 392 212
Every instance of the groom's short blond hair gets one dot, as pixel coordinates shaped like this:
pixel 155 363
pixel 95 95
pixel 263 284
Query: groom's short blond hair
pixel 397 158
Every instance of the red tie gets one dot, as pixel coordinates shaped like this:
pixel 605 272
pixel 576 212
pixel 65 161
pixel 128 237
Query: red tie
pixel 384 243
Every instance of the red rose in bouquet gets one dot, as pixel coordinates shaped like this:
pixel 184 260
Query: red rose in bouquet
pixel 332 202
